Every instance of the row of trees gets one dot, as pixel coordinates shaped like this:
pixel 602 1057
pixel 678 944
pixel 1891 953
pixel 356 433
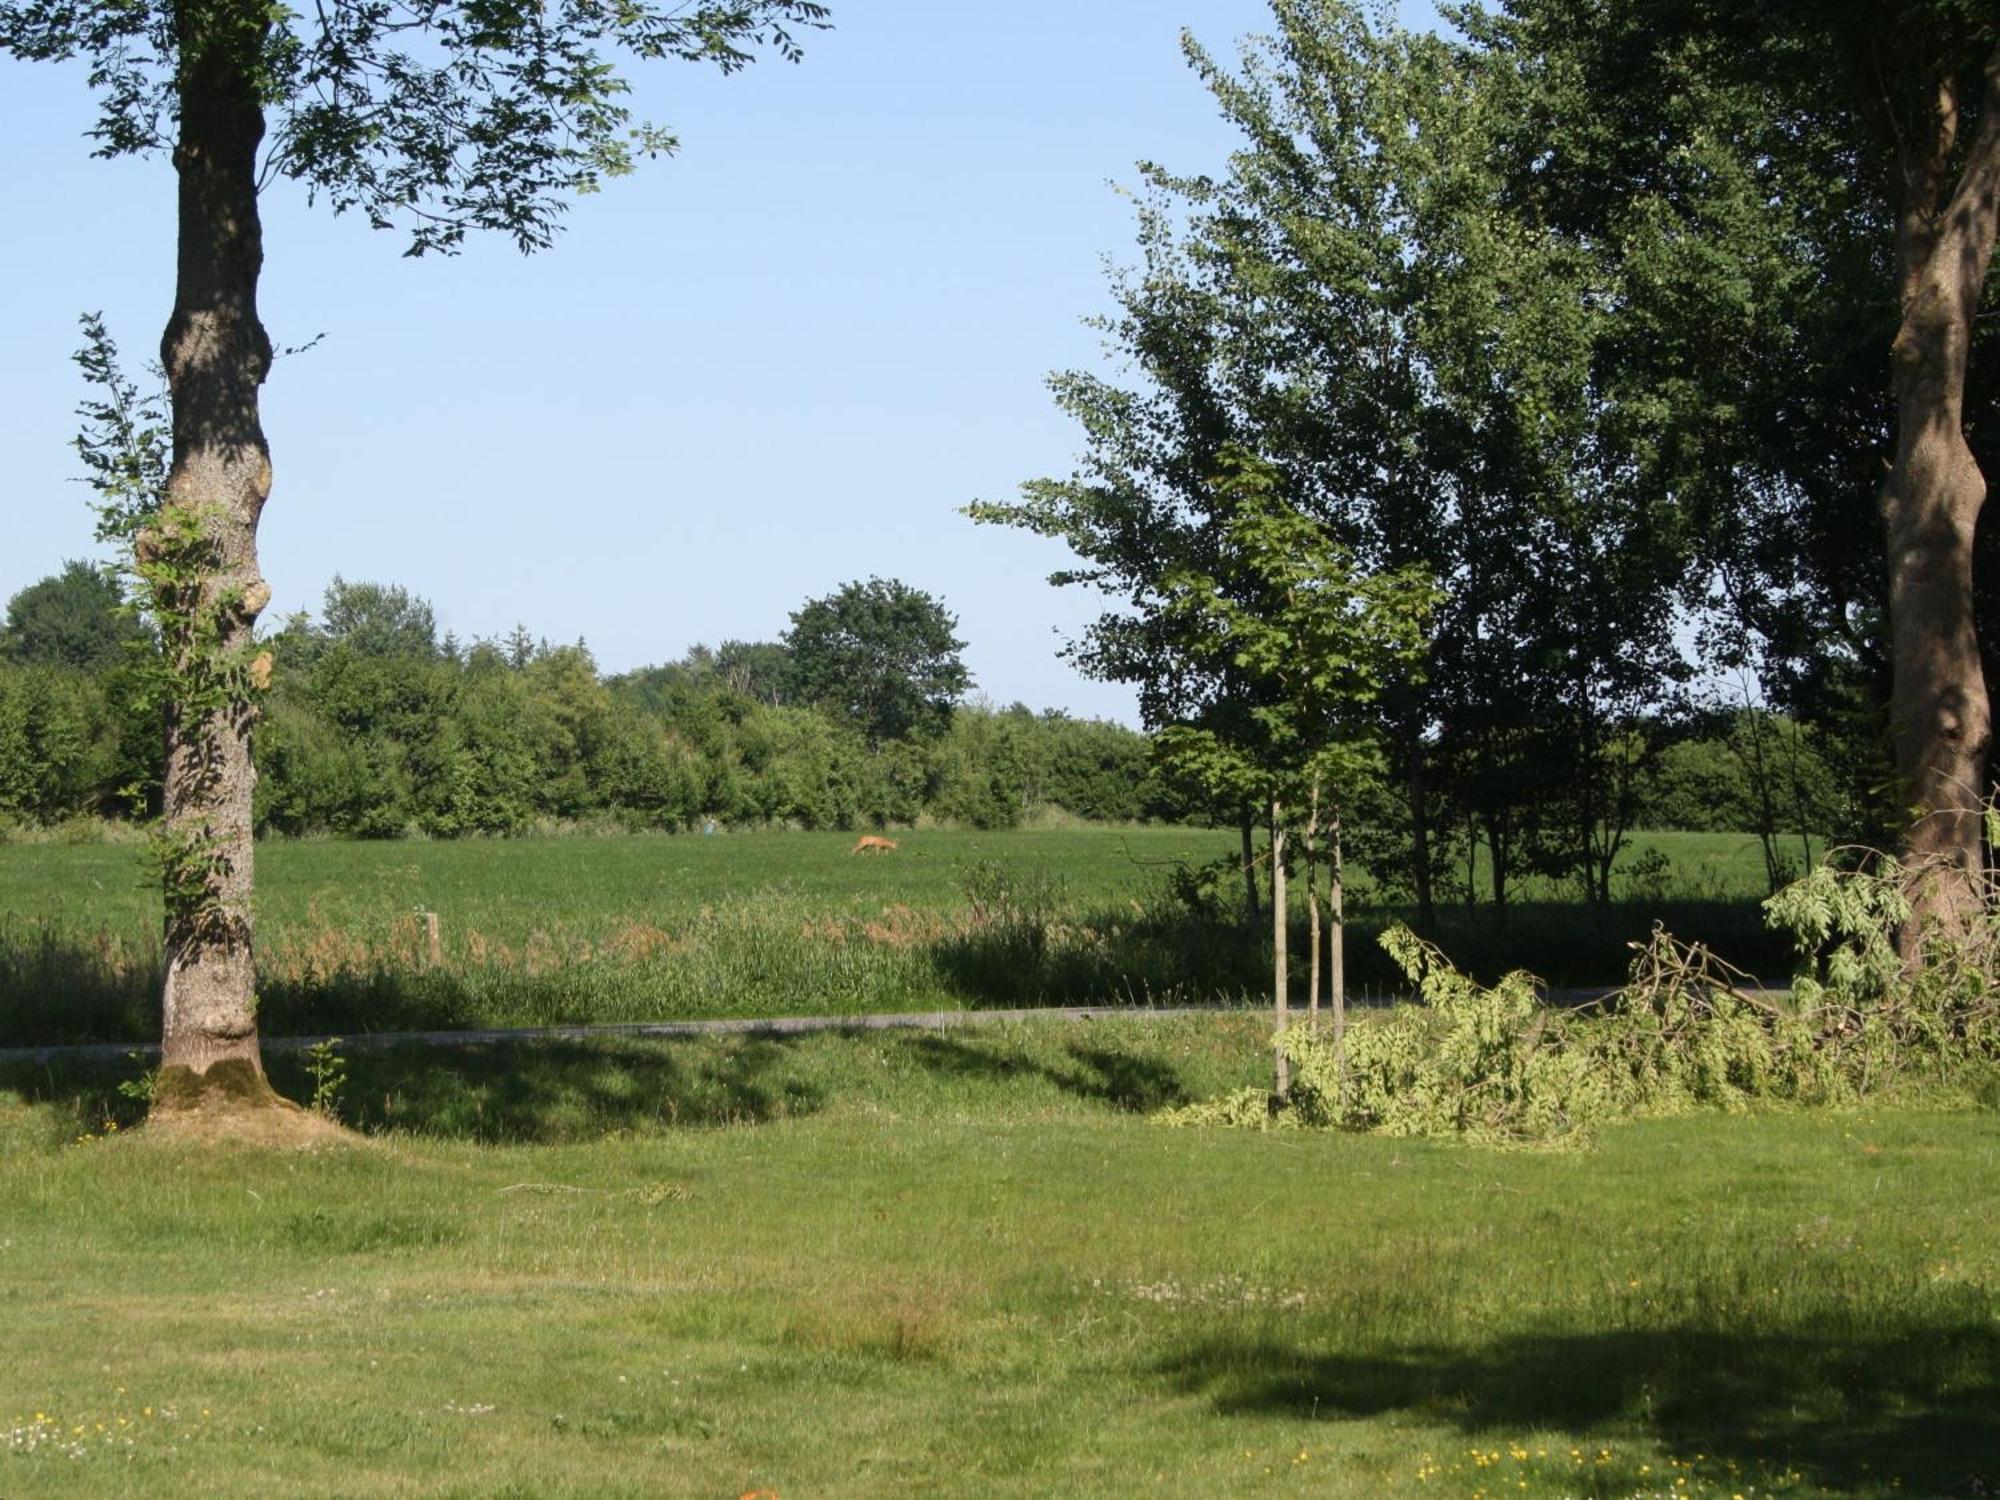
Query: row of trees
pixel 1557 353
pixel 377 726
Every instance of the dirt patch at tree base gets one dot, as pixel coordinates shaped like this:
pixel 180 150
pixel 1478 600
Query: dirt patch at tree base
pixel 233 1102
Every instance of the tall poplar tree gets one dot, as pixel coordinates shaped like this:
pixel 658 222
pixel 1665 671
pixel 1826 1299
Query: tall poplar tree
pixel 429 118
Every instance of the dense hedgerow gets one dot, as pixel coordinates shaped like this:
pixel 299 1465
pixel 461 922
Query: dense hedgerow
pixel 1494 1064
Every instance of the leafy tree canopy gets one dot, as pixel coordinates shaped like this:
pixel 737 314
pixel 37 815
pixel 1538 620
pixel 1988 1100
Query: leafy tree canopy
pixel 75 618
pixel 432 118
pixel 883 655
pixel 373 619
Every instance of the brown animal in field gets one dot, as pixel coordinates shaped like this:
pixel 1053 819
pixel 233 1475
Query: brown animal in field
pixel 873 843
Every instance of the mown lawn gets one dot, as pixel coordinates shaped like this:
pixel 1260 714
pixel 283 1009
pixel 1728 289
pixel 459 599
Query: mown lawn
pixel 964 1264
pixel 564 930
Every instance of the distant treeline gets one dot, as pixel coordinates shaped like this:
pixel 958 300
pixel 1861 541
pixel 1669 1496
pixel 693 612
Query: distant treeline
pixel 376 726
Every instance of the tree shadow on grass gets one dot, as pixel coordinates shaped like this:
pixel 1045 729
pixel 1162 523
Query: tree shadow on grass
pixel 568 1091
pixel 1122 1080
pixel 1100 958
pixel 1850 1410
pixel 529 1093
pixel 1164 955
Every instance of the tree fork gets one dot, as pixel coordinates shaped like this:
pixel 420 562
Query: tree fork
pixel 203 552
pixel 1930 506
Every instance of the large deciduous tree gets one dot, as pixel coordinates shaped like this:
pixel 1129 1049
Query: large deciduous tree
pixel 432 118
pixel 75 618
pixel 1936 111
pixel 880 654
pixel 1853 150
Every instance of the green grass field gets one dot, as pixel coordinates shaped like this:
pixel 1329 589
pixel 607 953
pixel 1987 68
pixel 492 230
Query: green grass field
pixel 963 1264
pixel 541 931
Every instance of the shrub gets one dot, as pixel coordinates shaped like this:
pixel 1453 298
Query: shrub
pixel 1492 1063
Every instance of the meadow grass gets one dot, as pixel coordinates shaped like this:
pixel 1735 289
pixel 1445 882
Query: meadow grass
pixel 965 1264
pixel 639 928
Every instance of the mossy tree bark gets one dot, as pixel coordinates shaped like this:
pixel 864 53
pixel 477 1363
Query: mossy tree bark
pixel 200 554
pixel 1931 502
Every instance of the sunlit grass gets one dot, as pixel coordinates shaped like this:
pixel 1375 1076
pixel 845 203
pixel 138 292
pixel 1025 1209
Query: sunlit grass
pixel 964 1264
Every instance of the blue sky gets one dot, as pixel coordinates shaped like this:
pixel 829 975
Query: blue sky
pixel 741 377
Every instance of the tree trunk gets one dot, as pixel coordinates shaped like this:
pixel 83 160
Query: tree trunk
pixel 1250 865
pixel 1471 863
pixel 1310 855
pixel 1337 942
pixel 1280 976
pixel 1801 811
pixel 1760 778
pixel 1420 831
pixel 200 558
pixel 1930 507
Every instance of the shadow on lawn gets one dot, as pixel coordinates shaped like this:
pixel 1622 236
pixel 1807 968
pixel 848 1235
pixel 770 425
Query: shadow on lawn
pixel 1851 1410
pixel 1163 955
pixel 513 1094
pixel 562 1091
pixel 1119 1079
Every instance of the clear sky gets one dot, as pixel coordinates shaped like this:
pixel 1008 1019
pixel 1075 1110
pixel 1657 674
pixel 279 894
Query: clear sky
pixel 741 377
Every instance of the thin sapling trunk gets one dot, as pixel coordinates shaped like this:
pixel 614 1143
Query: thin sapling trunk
pixel 1250 866
pixel 1280 978
pixel 1337 941
pixel 1310 854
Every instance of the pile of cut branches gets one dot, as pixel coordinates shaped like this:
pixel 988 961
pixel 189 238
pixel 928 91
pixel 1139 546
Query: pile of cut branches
pixel 1688 1030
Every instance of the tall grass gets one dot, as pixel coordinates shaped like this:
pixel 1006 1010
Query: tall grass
pixel 537 932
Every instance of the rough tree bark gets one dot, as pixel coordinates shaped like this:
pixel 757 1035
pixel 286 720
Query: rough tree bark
pixel 201 553
pixel 1931 501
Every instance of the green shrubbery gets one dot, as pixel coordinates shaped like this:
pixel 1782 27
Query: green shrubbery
pixel 374 728
pixel 1494 1064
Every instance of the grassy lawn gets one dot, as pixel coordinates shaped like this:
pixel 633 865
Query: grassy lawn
pixel 541 931
pixel 963 1264
pixel 1699 867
